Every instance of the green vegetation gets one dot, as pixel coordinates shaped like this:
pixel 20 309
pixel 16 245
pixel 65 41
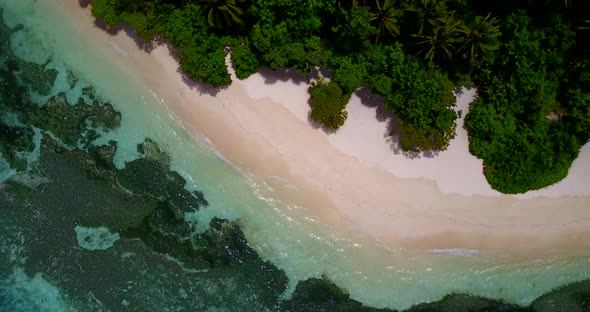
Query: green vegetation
pixel 161 261
pixel 528 60
pixel 223 13
pixel 480 37
pixel 532 114
pixel 423 100
pixel 328 104
pixel 386 17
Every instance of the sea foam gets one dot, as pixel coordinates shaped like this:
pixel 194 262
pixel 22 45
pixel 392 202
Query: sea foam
pixel 455 251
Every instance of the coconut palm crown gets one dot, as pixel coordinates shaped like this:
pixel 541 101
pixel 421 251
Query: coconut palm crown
pixel 386 17
pixel 222 13
pixel 481 37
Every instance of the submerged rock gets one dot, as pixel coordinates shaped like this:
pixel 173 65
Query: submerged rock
pixel 323 295
pixel 15 143
pixel 151 259
pixel 36 76
pixel 466 303
pixel 570 298
pixel 150 176
pixel 99 238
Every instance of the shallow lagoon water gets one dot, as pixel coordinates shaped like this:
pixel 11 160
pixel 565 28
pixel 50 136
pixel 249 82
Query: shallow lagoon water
pixel 288 237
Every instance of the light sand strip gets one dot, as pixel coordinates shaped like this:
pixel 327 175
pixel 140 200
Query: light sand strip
pixel 352 179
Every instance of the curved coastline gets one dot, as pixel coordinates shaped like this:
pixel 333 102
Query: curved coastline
pixel 267 140
pixel 259 128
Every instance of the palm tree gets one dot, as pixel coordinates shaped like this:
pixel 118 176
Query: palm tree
pixel 567 3
pixel 222 13
pixel 350 3
pixel 429 12
pixel 386 16
pixel 480 38
pixel 443 39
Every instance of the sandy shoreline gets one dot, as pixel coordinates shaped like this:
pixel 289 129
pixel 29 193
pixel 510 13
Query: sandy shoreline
pixel 352 179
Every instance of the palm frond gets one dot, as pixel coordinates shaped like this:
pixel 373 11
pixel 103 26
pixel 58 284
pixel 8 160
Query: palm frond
pixel 223 13
pixel 386 16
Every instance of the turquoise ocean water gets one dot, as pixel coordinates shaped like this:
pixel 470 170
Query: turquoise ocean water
pixel 107 204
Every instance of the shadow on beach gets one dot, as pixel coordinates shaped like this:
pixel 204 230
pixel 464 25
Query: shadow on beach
pixel 148 47
pixel 84 3
pixel 271 77
pixel 129 31
pixel 284 75
pixel 293 76
pixel 392 131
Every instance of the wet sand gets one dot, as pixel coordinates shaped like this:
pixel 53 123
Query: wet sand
pixel 352 179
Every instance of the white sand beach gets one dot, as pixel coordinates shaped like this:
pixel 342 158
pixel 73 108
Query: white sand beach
pixel 353 179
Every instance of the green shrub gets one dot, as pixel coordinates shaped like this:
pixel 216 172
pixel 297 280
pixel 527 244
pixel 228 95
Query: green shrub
pixel 508 126
pixel 423 100
pixel 526 70
pixel 413 138
pixel 244 59
pixel 206 66
pixel 106 10
pixel 328 104
pixel 142 25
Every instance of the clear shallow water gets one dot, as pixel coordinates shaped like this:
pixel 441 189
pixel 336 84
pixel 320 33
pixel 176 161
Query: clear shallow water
pixel 49 261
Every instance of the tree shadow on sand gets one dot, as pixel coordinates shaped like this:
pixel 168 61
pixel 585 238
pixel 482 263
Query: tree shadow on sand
pixel 148 47
pixel 291 75
pixel 84 3
pixel 392 132
pixel 368 99
pixel 129 31
pixel 314 124
pixel 201 87
pixel 271 76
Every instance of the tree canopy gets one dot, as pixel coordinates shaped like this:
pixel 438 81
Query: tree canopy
pixel 328 105
pixel 527 123
pixel 528 59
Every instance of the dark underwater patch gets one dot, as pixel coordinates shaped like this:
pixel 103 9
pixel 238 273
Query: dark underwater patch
pixel 159 263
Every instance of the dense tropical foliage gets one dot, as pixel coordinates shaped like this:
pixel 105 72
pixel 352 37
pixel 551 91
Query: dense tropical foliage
pixel 328 103
pixel 533 112
pixel 529 60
